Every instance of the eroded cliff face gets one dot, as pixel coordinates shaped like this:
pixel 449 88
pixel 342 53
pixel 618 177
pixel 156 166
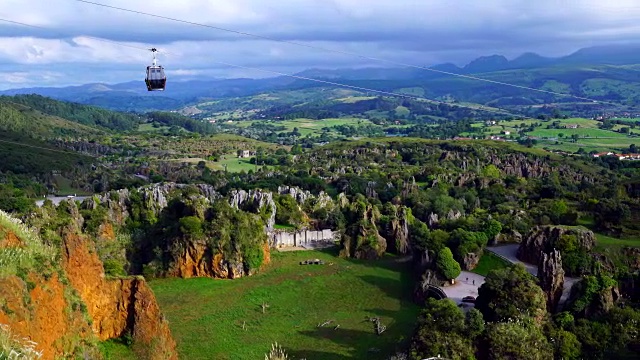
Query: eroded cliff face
pixel 43 308
pixel 196 259
pixel 542 239
pixel 43 311
pixel 116 306
pixel 68 305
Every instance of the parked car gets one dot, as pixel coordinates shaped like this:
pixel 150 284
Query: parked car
pixel 469 299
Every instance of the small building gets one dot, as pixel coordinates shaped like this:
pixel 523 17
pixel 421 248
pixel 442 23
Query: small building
pixel 506 132
pixel 246 153
pixel 572 126
pixel 603 154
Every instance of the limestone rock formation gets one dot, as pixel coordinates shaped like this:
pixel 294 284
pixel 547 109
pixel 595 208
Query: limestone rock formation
pixel 301 196
pixel 551 276
pixel 420 293
pixel 362 240
pixel 510 237
pixel 470 261
pixel 195 258
pixel 155 198
pixel 433 220
pixel 396 231
pixel 542 239
pixel 255 201
pixel 424 260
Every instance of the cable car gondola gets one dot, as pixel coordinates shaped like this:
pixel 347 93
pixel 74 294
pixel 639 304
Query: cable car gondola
pixel 155 80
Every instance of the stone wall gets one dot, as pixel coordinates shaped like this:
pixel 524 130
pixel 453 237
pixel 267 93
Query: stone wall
pixel 310 239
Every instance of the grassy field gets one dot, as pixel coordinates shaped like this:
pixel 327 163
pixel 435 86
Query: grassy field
pixel 65 188
pixel 489 261
pixel 607 241
pixel 206 316
pixel 234 164
pixel 116 350
pixel 582 132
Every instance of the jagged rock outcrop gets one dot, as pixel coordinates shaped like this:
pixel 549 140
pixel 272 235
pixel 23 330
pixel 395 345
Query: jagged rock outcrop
pixel 409 187
pixel 370 191
pixel 510 237
pixel 195 258
pixel 542 239
pixel 470 261
pixel 256 201
pixel 155 198
pixel 116 306
pixel 422 289
pixel 424 260
pixel 433 220
pixel 362 240
pixel 396 230
pixel 600 303
pixel 551 276
pixel 301 196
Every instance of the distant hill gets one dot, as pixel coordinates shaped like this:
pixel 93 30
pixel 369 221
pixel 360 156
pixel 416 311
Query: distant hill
pixel 604 72
pixel 18 118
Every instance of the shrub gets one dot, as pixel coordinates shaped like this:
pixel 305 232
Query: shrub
pixel 33 255
pixel 11 348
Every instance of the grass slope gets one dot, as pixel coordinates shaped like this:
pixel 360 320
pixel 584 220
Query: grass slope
pixel 206 316
pixel 489 261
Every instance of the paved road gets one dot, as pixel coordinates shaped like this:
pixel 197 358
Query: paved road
pixel 57 199
pixel 509 252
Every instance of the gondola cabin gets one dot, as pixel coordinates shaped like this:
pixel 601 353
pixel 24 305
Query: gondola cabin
pixel 156 80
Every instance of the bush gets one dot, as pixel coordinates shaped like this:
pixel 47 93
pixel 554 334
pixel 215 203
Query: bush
pixel 447 266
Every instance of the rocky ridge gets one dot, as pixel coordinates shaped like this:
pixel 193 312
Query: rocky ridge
pixel 542 239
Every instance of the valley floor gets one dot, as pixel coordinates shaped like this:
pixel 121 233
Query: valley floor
pixel 207 316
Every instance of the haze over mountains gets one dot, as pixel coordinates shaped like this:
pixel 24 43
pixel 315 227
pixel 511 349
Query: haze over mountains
pixel 601 62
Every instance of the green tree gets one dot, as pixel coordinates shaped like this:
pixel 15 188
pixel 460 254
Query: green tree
pixel 492 228
pixel 565 345
pixel 447 266
pixel 191 226
pixel 511 293
pixel 557 210
pixel 517 340
pixel 474 323
pixel 441 330
pixel 491 171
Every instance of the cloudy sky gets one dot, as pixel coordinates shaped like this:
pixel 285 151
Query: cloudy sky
pixel 65 51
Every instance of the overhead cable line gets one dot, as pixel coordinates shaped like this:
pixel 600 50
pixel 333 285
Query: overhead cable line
pixel 354 87
pixel 336 51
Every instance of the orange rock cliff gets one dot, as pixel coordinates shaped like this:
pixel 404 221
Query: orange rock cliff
pixel 66 309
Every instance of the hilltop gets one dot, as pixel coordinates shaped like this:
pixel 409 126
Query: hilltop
pixel 605 73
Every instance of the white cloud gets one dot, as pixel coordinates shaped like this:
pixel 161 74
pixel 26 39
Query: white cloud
pixel 421 32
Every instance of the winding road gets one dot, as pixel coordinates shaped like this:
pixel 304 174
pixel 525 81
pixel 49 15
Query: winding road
pixel 467 283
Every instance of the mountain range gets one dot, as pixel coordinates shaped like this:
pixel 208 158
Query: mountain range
pixel 573 74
